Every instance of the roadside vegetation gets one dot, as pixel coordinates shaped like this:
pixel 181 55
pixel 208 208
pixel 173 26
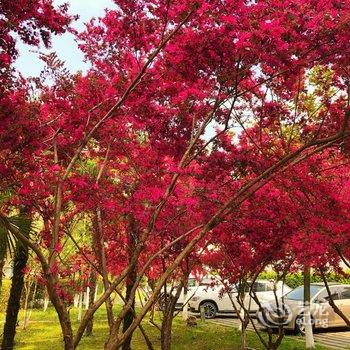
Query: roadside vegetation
pixel 43 332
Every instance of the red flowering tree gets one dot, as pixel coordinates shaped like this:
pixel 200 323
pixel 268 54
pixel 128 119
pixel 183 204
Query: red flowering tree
pixel 170 84
pixel 32 23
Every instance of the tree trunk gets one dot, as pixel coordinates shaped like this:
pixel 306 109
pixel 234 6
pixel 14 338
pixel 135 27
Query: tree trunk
pixel 168 314
pixel 309 337
pixel 130 281
pixel 27 288
pixel 80 306
pixel 28 314
pixel 98 242
pixel 185 306
pixel 185 288
pixel 243 316
pixel 67 331
pixel 243 328
pixel 63 314
pixel 93 283
pixel 166 331
pixel 86 298
pixel 129 317
pixel 14 302
pixel 46 301
pixel 243 324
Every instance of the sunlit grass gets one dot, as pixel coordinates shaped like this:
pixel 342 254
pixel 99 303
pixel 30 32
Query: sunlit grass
pixel 43 333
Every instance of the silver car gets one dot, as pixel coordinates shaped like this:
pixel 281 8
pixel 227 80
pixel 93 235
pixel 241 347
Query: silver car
pixel 289 311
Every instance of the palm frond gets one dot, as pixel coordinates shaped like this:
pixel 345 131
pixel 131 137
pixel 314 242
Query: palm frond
pixel 8 241
pixel 4 242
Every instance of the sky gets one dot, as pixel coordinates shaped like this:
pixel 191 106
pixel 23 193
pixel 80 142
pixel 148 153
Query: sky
pixel 66 48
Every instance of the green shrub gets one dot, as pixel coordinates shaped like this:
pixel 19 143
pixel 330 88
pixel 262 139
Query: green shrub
pixel 296 279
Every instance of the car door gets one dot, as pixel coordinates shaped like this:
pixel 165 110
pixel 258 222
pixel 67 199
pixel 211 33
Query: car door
pixel 326 314
pixel 259 288
pixel 234 299
pixel 344 303
pixel 225 299
pixel 266 293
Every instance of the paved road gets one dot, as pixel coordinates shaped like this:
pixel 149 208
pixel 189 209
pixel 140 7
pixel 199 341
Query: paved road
pixel 331 338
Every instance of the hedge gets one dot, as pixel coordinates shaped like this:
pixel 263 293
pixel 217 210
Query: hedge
pixel 294 280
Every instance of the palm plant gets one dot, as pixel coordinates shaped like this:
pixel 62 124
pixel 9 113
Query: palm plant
pixel 9 245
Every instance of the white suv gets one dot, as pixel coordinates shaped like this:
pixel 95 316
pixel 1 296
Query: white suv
pixel 194 285
pixel 215 300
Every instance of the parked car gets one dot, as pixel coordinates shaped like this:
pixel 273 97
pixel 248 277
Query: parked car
pixel 322 313
pixel 214 301
pixel 193 285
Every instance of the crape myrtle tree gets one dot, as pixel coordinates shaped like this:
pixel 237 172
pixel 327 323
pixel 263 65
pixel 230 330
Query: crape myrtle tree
pixel 163 73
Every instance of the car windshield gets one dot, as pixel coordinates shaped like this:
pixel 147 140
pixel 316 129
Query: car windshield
pixel 298 293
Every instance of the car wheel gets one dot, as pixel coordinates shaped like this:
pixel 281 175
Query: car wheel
pixel 210 309
pixel 300 325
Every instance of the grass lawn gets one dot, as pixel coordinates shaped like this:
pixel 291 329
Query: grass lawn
pixel 43 333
